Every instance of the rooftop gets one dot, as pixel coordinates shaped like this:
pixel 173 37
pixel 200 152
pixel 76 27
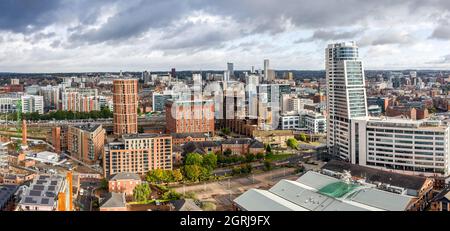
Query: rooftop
pixel 88 127
pixel 185 135
pixel 6 192
pixel 374 175
pixel 43 191
pixel 114 200
pixel 126 176
pixel 185 205
pixel 143 136
pixel 316 192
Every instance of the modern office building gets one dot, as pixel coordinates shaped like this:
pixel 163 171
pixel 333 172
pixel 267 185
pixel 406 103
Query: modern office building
pixel 138 153
pixel 266 70
pixel 315 122
pixel 33 103
pixel 405 146
pixel 190 116
pixel 290 122
pixel 125 99
pixel 160 100
pixel 346 95
pixel 230 69
pixel 86 142
pixel 8 102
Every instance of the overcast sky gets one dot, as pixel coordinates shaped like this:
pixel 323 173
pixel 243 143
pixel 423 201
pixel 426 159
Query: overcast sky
pixel 137 35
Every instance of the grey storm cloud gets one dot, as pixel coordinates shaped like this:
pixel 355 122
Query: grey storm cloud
pixel 327 35
pixel 441 32
pixel 26 15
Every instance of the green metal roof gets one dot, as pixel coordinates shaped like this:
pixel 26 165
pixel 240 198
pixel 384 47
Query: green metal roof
pixel 337 189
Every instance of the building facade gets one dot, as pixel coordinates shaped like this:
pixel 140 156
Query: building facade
pixel 125 99
pixel 86 142
pixel 33 103
pixel 80 100
pixel 346 95
pixel 400 145
pixel 192 116
pixel 138 153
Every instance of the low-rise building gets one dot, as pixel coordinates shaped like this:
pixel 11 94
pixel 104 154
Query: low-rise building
pixel 183 138
pixel 7 197
pixel 317 192
pixel 113 202
pixel 237 146
pixel 274 137
pixel 124 183
pixel 421 188
pixel 441 202
pixel 48 193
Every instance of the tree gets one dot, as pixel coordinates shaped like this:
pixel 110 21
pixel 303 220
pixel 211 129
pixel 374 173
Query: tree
pixel 260 156
pixel 292 143
pixel 250 157
pixel 194 159
pixel 140 129
pixel 210 161
pixel 269 148
pixel 104 184
pixel 141 192
pixel 156 176
pixel 303 137
pixel 227 152
pixel 267 165
pixel 177 176
pixel 192 172
pixel 247 168
pixel 171 195
pixel 226 131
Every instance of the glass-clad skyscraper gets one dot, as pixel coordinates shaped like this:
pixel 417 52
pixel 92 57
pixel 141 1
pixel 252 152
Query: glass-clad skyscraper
pixel 346 95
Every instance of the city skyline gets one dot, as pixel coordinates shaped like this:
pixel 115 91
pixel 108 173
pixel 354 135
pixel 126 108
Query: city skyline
pixel 86 36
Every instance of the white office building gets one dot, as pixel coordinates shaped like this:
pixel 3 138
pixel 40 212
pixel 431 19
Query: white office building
pixel 405 146
pixel 290 122
pixel 8 103
pixel 315 122
pixel 346 95
pixel 33 103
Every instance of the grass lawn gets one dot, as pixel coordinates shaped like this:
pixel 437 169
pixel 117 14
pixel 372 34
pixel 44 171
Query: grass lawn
pixel 278 157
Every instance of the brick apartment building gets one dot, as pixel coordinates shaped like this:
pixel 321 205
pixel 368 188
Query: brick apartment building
pixel 138 153
pixel 194 116
pixel 86 142
pixel 57 136
pixel 408 112
pixel 125 100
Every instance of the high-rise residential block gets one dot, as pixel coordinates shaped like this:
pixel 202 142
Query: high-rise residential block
pixel 80 100
pixel 125 100
pixel 346 95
